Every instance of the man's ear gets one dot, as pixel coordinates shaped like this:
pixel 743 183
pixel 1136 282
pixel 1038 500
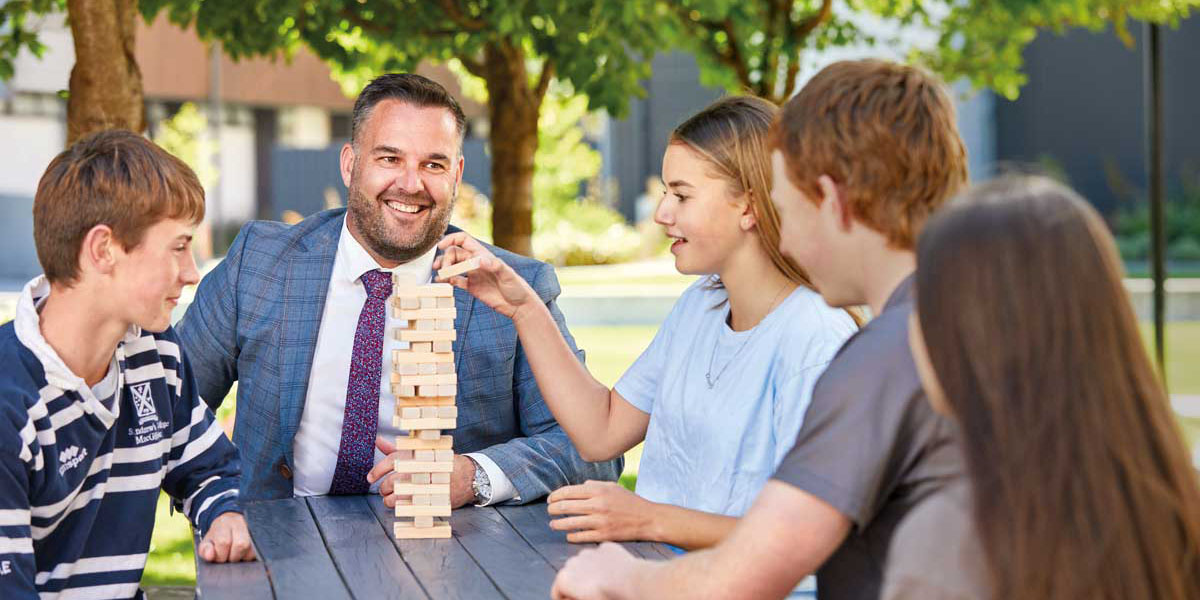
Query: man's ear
pixel 346 163
pixel 831 196
pixel 99 250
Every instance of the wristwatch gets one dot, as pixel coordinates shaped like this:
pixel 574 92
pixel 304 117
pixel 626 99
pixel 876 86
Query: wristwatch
pixel 481 486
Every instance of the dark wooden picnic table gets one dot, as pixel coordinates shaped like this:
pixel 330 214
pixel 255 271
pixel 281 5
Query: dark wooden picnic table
pixel 334 547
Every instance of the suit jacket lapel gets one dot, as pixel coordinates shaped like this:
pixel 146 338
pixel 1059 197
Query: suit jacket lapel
pixel 303 303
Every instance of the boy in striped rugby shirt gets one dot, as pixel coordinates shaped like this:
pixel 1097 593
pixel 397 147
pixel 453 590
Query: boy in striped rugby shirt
pixel 98 407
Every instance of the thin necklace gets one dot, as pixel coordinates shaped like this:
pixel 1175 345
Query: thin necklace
pixel 708 376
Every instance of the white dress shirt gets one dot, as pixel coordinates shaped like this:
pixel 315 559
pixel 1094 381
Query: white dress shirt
pixel 320 434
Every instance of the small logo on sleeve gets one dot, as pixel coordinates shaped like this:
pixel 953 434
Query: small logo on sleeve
pixel 143 402
pixel 70 458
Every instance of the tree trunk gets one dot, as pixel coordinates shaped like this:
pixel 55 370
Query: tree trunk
pixel 106 84
pixel 513 106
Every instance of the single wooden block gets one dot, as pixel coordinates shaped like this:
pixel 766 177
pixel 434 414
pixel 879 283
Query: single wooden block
pixel 409 303
pixel 400 322
pixel 422 522
pixel 429 412
pixel 408 442
pixel 441 455
pixel 406 531
pixel 420 499
pixel 443 346
pixel 424 368
pixel 410 335
pixel 433 490
pixel 422 424
pixel 404 391
pixel 424 455
pixel 439 478
pixel 445 302
pixel 439 499
pixel 429 290
pixel 412 466
pixel 443 324
pixel 410 510
pixel 459 268
pixel 400 357
pixel 428 391
pixel 411 412
pixel 411 442
pixel 403 280
pixel 412 368
pixel 443 368
pixel 448 389
pixel 428 302
pixel 423 478
pixel 415 400
pixel 446 412
pixel 423 380
pixel 428 313
pixel 425 325
pixel 431 434
pixel 420 347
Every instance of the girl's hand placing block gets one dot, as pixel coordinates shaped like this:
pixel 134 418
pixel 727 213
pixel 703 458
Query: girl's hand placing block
pixel 482 275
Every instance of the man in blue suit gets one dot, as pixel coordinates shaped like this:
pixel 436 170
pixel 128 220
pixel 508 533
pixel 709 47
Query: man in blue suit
pixel 296 315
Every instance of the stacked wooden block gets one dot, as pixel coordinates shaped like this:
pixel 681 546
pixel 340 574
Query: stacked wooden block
pixel 424 384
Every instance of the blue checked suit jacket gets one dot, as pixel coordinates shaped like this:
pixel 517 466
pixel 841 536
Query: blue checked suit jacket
pixel 255 320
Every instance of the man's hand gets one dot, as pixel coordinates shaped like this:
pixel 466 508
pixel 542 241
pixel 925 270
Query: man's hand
pixel 605 512
pixel 601 572
pixel 227 540
pixel 460 479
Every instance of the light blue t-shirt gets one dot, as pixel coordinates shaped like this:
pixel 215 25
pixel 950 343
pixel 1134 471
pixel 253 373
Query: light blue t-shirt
pixel 714 449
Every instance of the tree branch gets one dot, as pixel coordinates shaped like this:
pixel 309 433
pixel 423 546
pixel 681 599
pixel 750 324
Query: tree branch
pixel 543 83
pixel 735 54
pixel 454 11
pixel 769 59
pixel 473 66
pixel 789 84
pixel 704 30
pixel 807 26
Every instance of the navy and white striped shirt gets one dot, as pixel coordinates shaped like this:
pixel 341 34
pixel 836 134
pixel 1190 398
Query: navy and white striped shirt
pixel 79 482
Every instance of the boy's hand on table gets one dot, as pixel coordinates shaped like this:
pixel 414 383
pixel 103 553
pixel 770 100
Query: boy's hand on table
pixel 227 540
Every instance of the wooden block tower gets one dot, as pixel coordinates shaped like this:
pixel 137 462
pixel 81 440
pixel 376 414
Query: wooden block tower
pixel 424 383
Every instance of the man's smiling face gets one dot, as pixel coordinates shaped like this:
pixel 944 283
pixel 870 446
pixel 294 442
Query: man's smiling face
pixel 403 173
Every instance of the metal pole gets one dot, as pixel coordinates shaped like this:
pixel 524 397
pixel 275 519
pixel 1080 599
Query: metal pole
pixel 1154 173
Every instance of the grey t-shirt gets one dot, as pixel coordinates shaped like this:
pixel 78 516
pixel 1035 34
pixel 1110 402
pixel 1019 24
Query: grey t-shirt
pixel 936 553
pixel 871 447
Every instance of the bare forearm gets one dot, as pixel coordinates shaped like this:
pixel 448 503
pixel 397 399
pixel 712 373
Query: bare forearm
pixel 581 404
pixel 689 529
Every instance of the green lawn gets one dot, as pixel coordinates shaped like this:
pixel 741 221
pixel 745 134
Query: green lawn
pixel 610 350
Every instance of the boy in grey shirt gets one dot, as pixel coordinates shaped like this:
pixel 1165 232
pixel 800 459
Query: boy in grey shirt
pixel 864 153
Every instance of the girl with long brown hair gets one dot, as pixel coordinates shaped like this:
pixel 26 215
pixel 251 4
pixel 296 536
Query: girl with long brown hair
pixel 1080 486
pixel 720 394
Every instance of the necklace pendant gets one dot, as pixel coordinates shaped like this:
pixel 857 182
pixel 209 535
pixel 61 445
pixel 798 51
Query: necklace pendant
pixel 708 380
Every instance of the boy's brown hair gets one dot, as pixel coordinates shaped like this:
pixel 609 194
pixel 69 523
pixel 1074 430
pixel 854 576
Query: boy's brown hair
pixel 115 178
pixel 885 133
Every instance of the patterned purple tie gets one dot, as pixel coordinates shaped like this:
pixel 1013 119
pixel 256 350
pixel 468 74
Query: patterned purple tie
pixel 356 453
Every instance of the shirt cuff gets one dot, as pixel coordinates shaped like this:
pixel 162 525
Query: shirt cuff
pixel 502 487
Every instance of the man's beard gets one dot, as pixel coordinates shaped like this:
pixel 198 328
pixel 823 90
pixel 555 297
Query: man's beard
pixel 384 241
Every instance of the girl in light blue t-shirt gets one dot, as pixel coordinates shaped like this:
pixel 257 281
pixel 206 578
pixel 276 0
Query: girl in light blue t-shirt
pixel 721 392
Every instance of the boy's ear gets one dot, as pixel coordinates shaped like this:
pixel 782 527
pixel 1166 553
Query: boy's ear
pixel 99 250
pixel 346 163
pixel 831 195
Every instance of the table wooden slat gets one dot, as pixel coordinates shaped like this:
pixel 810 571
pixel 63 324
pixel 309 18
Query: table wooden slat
pixel 287 538
pixel 532 521
pixel 231 581
pixel 359 546
pixel 511 563
pixel 443 567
